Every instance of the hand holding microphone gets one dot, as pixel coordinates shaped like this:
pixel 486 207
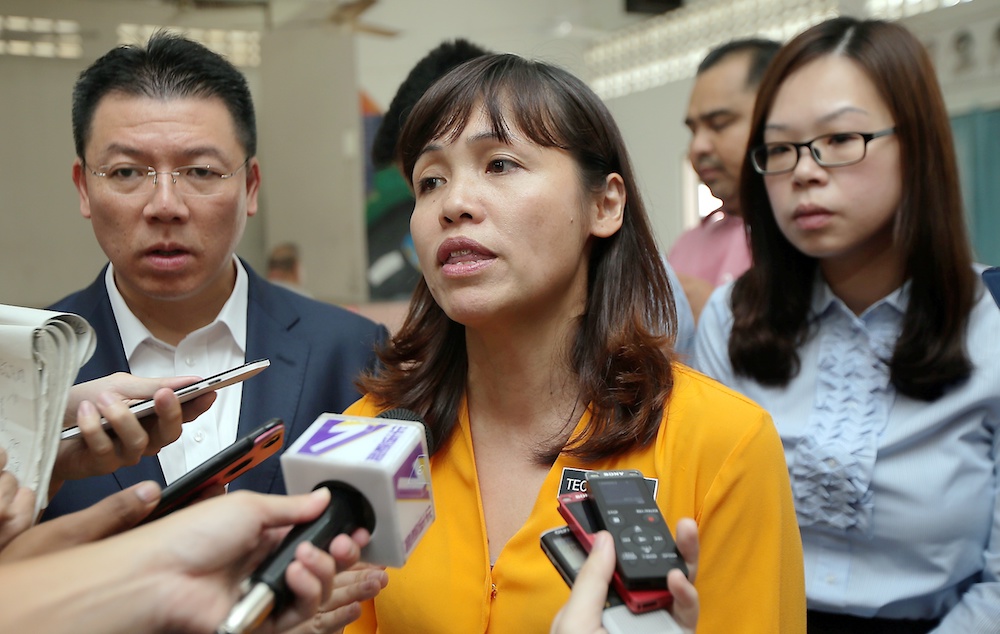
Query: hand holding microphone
pixel 377 472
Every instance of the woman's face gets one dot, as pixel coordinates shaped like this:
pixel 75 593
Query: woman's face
pixel 503 229
pixel 835 214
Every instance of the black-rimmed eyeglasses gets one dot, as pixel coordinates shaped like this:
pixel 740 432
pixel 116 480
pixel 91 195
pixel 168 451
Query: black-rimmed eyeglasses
pixel 829 150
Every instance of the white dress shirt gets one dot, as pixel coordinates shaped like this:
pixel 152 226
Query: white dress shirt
pixel 209 350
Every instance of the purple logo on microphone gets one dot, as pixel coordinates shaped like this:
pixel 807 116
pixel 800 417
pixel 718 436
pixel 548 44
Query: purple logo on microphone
pixel 329 436
pixel 412 478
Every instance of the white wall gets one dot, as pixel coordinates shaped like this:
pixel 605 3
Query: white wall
pixel 46 247
pixel 311 159
pixel 972 86
pixel 652 123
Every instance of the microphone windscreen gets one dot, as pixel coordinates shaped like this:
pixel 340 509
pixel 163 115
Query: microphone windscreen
pixel 401 413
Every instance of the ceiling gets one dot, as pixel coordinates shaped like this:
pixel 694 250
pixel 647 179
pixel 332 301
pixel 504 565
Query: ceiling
pixel 555 30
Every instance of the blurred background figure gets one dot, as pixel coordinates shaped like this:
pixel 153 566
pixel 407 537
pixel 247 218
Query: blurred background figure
pixel 284 268
pixel 715 251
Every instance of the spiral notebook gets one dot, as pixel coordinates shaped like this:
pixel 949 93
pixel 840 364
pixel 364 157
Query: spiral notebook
pixel 41 353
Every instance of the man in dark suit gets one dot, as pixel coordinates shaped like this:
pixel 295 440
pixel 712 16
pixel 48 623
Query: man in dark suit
pixel 167 174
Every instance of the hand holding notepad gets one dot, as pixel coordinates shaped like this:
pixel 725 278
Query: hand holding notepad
pixel 41 353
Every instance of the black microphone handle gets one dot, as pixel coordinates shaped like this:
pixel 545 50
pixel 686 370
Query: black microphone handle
pixel 348 511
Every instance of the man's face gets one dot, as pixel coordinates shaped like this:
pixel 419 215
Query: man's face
pixel 719 119
pixel 166 244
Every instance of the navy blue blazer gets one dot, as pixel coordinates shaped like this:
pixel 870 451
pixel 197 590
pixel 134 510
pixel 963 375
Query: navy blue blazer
pixel 316 351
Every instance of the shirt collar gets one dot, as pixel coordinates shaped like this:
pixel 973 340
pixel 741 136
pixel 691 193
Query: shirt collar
pixel 823 299
pixel 133 333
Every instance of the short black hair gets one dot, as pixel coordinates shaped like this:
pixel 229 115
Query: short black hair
pixel 429 69
pixel 760 50
pixel 169 66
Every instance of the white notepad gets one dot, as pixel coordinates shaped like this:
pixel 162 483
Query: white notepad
pixel 41 353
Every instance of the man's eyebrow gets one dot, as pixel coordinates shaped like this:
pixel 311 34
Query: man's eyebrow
pixel 719 112
pixel 708 116
pixel 118 148
pixel 212 152
pixel 206 150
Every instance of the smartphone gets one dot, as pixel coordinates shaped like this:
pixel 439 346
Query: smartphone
pixel 188 392
pixel 644 547
pixel 991 278
pixel 576 510
pixel 222 468
pixel 567 555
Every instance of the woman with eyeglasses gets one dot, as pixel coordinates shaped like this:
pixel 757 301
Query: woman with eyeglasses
pixel 863 329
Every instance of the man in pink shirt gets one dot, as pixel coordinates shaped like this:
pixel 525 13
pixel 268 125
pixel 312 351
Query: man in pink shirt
pixel 718 115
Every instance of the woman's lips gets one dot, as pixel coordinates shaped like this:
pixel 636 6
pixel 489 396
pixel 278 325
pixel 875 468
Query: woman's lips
pixel 462 256
pixel 811 218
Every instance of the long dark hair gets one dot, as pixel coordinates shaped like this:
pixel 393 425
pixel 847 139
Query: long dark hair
pixel 771 301
pixel 623 347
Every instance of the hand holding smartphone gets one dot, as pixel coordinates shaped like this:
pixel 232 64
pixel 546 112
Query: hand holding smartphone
pixel 222 468
pixel 189 392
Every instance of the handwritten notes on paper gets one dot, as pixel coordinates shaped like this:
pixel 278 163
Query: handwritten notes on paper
pixel 41 353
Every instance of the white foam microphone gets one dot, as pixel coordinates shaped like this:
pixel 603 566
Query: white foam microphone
pixel 386 459
pixel 378 473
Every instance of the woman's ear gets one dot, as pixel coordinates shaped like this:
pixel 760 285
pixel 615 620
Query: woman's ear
pixel 610 207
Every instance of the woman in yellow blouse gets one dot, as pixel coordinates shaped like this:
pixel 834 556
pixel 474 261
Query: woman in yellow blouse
pixel 538 346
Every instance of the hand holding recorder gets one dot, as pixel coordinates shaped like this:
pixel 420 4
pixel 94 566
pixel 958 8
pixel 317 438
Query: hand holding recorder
pixel 585 611
pixel 647 567
pixel 622 503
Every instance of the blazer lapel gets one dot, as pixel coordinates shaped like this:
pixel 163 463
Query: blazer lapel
pixel 275 392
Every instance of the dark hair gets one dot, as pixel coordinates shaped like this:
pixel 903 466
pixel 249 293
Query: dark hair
pixel 771 301
pixel 169 66
pixel 761 53
pixel 622 349
pixel 429 69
